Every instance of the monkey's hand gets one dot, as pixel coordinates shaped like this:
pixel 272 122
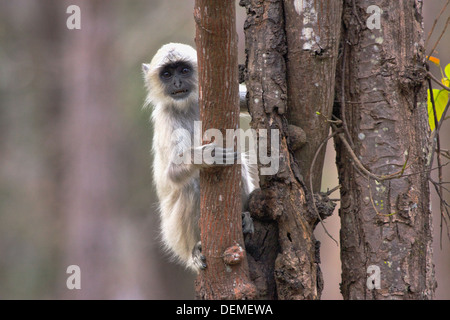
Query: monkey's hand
pixel 198 258
pixel 211 155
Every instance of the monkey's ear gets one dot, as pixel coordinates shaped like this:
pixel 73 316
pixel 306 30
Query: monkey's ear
pixel 145 68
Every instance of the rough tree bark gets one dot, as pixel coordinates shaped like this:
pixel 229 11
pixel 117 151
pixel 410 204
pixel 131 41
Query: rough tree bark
pixel 313 31
pixel 385 223
pixel 284 254
pixel 220 203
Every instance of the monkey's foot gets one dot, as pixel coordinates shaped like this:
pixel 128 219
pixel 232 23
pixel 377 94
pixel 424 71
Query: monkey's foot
pixel 247 223
pixel 198 258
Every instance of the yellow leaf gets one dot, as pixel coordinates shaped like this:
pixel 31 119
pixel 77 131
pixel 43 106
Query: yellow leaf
pixel 440 101
pixel 446 82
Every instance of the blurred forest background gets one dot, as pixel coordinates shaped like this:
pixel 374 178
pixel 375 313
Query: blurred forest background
pixel 75 163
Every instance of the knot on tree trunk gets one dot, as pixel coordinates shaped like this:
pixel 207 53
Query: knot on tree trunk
pixel 234 255
pixel 325 208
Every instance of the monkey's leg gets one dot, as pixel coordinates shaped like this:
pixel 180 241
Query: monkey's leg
pixel 247 223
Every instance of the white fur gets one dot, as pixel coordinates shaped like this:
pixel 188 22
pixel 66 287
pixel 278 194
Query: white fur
pixel 178 200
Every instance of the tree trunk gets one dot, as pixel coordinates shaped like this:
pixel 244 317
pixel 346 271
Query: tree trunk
pixel 220 196
pixel 313 31
pixel 386 223
pixel 284 260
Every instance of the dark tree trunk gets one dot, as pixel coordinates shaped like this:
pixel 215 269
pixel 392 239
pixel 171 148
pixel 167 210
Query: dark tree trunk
pixel 284 259
pixel 220 203
pixel 386 223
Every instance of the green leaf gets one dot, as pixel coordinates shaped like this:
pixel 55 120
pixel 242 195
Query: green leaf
pixel 447 70
pixel 440 101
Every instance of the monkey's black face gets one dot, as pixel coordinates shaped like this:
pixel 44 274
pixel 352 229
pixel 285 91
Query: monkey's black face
pixel 178 79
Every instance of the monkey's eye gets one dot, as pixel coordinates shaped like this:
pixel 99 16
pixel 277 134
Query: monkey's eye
pixel 185 70
pixel 166 74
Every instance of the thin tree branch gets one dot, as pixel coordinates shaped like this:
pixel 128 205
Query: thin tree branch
pixel 437 187
pixel 435 23
pixel 311 183
pixel 437 146
pixel 440 37
pixel 437 129
pixel 364 170
pixel 437 81
pixel 329 192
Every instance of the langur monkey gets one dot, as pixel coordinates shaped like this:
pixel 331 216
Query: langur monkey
pixel 172 83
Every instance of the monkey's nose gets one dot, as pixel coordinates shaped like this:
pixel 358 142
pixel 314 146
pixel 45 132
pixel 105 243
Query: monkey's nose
pixel 177 83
